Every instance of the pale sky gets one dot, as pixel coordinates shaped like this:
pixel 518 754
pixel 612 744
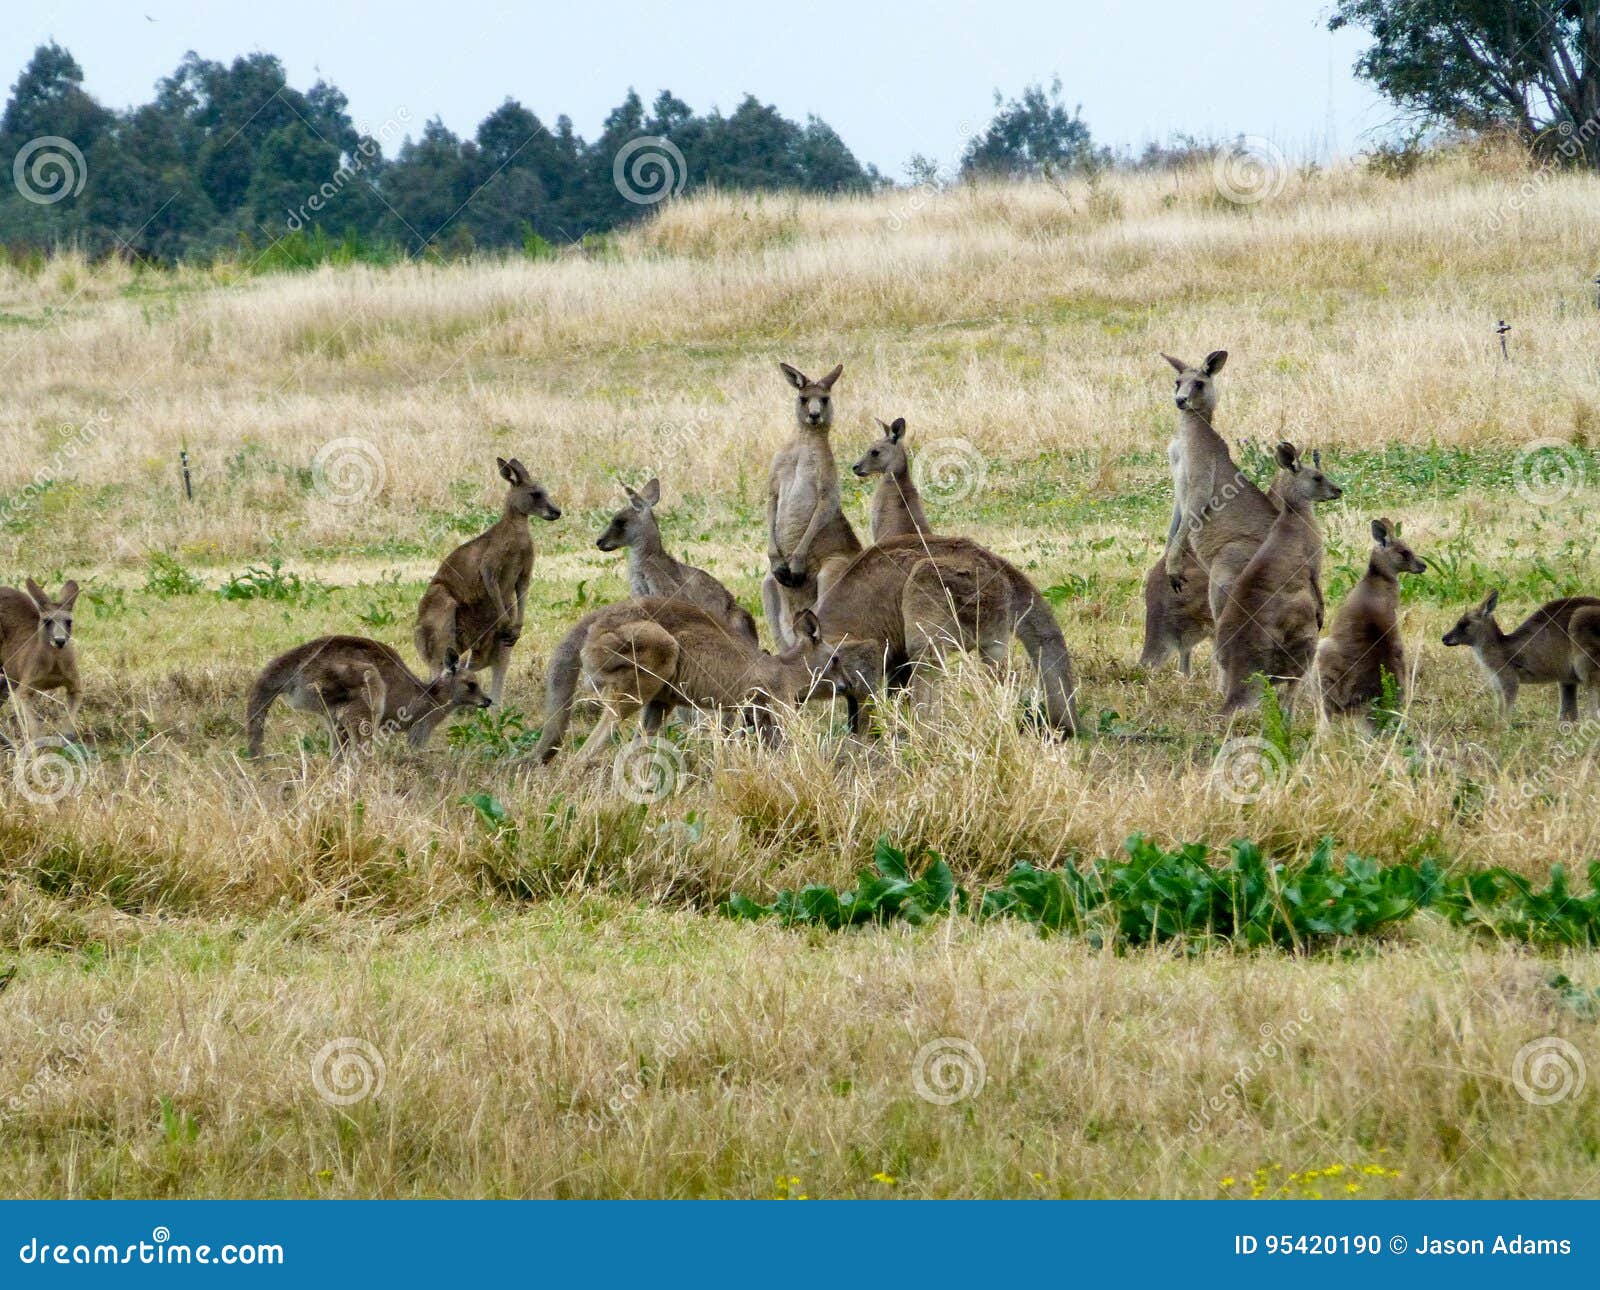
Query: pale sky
pixel 893 78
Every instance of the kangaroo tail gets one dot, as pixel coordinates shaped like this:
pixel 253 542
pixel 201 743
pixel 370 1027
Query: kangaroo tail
pixel 1040 635
pixel 561 684
pixel 269 685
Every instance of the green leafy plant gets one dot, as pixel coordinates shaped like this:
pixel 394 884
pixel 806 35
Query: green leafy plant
pixel 164 576
pixel 272 583
pixel 886 891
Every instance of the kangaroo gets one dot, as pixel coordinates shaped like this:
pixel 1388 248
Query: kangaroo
pixel 1176 619
pixel 360 687
pixel 1364 641
pixel 1217 510
pixel 1269 621
pixel 652 572
pixel 37 654
pixel 653 654
pixel 1556 644
pixel 896 503
pixel 808 537
pixel 475 603
pixel 893 609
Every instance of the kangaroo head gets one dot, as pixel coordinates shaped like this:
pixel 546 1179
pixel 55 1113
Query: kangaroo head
pixel 1303 483
pixel 526 497
pixel 888 455
pixel 850 666
pixel 1391 554
pixel 813 407
pixel 1477 625
pixel 55 616
pixel 453 688
pixel 826 675
pixel 1196 390
pixel 634 522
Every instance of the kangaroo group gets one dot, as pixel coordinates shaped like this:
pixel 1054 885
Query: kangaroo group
pixel 859 623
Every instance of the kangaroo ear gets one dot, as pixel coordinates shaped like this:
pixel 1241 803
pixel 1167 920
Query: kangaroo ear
pixel 69 593
pixel 797 378
pixel 452 663
pixel 827 381
pixel 1178 365
pixel 1316 458
pixel 505 470
pixel 652 492
pixel 1288 456
pixel 806 626
pixel 897 431
pixel 1489 602
pixel 1380 532
pixel 1214 362
pixel 37 592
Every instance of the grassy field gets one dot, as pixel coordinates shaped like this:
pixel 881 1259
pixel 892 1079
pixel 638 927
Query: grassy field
pixel 532 993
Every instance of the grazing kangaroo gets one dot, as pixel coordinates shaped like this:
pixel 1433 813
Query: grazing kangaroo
pixel 896 503
pixel 1557 644
pixel 37 654
pixel 1216 509
pixel 898 605
pixel 652 572
pixel 657 653
pixel 360 687
pixel 474 606
pixel 1364 640
pixel 808 537
pixel 1271 617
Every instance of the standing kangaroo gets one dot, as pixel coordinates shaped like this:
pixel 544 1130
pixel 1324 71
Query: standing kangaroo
pixel 652 572
pixel 897 606
pixel 1217 511
pixel 896 503
pixel 1270 619
pixel 474 606
pixel 1364 641
pixel 37 654
pixel 1559 643
pixel 653 654
pixel 808 537
pixel 359 687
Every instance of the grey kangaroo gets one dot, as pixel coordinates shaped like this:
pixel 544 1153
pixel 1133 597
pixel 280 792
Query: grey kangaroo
pixel 1364 639
pixel 896 502
pixel 1558 644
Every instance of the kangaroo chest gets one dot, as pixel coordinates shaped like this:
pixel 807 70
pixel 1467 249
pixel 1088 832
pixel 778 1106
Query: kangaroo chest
pixel 801 477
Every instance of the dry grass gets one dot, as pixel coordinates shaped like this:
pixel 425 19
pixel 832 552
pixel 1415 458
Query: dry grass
pixel 234 917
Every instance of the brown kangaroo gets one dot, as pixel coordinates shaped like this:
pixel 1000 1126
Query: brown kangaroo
pixel 898 605
pixel 652 572
pixel 360 687
pixel 1364 640
pixel 808 537
pixel 896 503
pixel 1270 620
pixel 1557 644
pixel 475 603
pixel 1216 509
pixel 37 654
pixel 653 654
